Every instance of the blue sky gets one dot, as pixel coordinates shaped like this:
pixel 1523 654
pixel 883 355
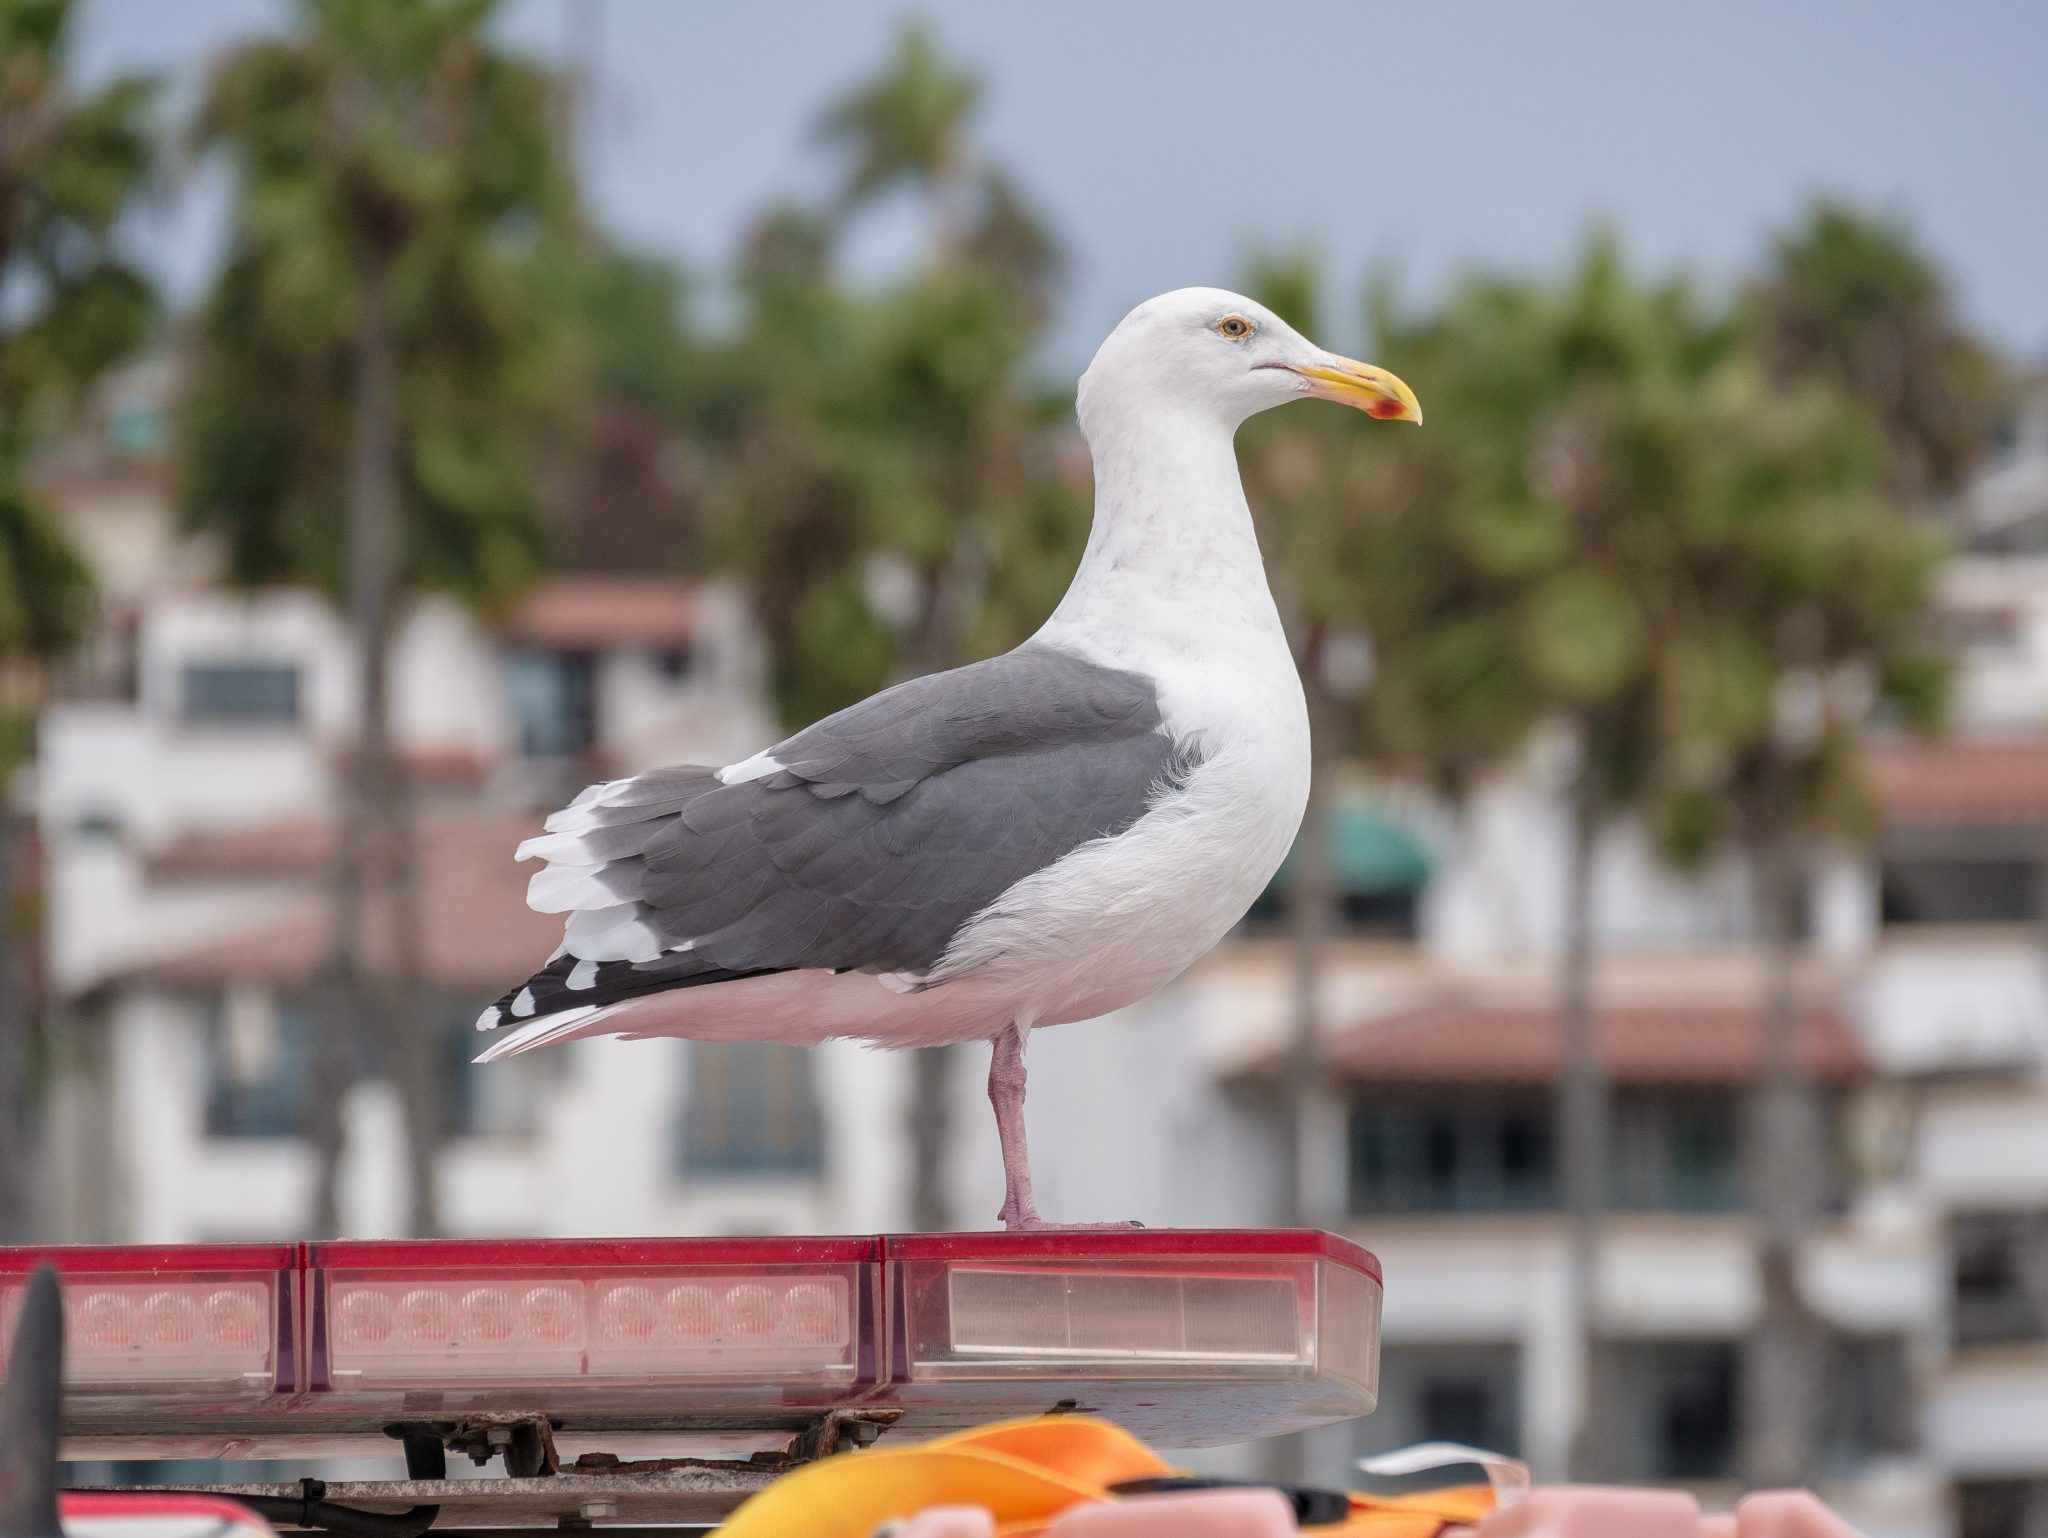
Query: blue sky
pixel 1164 138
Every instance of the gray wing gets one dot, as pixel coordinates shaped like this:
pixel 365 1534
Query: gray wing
pixel 871 840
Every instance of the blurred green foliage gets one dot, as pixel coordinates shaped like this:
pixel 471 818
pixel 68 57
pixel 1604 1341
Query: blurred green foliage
pixel 1627 514
pixel 72 163
pixel 394 141
pixel 882 471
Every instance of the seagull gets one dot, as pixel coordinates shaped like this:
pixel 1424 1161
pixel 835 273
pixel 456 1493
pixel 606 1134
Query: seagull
pixel 1033 839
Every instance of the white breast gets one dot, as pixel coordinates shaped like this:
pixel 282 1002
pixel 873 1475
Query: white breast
pixel 1171 586
pixel 1120 917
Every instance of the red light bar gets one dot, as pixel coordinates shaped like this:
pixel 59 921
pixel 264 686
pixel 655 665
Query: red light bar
pixel 1188 1338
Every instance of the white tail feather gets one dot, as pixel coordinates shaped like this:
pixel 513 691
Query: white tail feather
pixel 566 888
pixel 612 934
pixel 562 848
pixel 545 1031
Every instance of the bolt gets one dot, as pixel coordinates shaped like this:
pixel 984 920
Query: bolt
pixel 596 1509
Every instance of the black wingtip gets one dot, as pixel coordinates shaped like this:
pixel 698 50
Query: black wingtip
pixel 31 1409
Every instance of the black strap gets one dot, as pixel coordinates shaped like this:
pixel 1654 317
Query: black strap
pixel 1313 1507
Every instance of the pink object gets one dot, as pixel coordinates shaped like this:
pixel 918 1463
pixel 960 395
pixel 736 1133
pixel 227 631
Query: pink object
pixel 1182 1514
pixel 1595 1511
pixel 951 1522
pixel 1788 1514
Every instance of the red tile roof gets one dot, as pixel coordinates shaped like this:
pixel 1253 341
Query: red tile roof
pixel 241 854
pixel 596 611
pixel 476 933
pixel 1456 1040
pixel 1985 780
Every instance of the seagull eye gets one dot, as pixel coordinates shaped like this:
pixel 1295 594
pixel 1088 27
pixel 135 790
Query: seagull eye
pixel 1236 327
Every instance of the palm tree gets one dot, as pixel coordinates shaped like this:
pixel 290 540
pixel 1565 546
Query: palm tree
pixel 1810 629
pixel 375 372
pixel 1329 507
pixel 1826 586
pixel 1564 408
pixel 877 452
pixel 1848 297
pixel 907 127
pixel 70 165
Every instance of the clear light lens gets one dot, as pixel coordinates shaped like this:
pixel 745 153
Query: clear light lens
pixel 632 1317
pixel 118 1331
pixel 748 1314
pixel 486 1317
pixel 363 1319
pixel 390 1330
pixel 1187 1349
pixel 234 1319
pixel 552 1315
pixel 725 1323
pixel 813 1314
pixel 691 1314
pixel 426 1318
pixel 1127 1316
pixel 101 1321
pixel 170 1321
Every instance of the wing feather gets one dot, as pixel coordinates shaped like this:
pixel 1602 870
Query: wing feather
pixel 867 843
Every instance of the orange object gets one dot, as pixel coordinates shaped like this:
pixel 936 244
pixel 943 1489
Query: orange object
pixel 1028 1475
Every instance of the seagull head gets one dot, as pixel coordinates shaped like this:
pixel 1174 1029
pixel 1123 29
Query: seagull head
pixel 1227 358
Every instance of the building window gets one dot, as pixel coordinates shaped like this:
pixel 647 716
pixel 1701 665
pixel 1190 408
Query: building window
pixel 1378 870
pixel 136 430
pixel 1671 1410
pixel 489 1100
pixel 2001 1277
pixel 1474 1151
pixel 240 693
pixel 2000 890
pixel 2003 1508
pixel 1870 1404
pixel 554 700
pixel 260 1051
pixel 1468 1153
pixel 1982 629
pixel 259 1065
pixel 752 1110
pixel 1446 1393
pixel 1676 1153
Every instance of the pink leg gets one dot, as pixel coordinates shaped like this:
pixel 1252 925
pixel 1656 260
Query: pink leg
pixel 1006 1094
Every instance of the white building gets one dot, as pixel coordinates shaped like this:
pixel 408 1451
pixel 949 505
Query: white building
pixel 185 794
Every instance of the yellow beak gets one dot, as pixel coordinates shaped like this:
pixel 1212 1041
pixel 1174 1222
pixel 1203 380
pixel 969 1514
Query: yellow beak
pixel 1372 390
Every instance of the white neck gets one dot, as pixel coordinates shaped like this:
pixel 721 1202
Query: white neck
pixel 1171 557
